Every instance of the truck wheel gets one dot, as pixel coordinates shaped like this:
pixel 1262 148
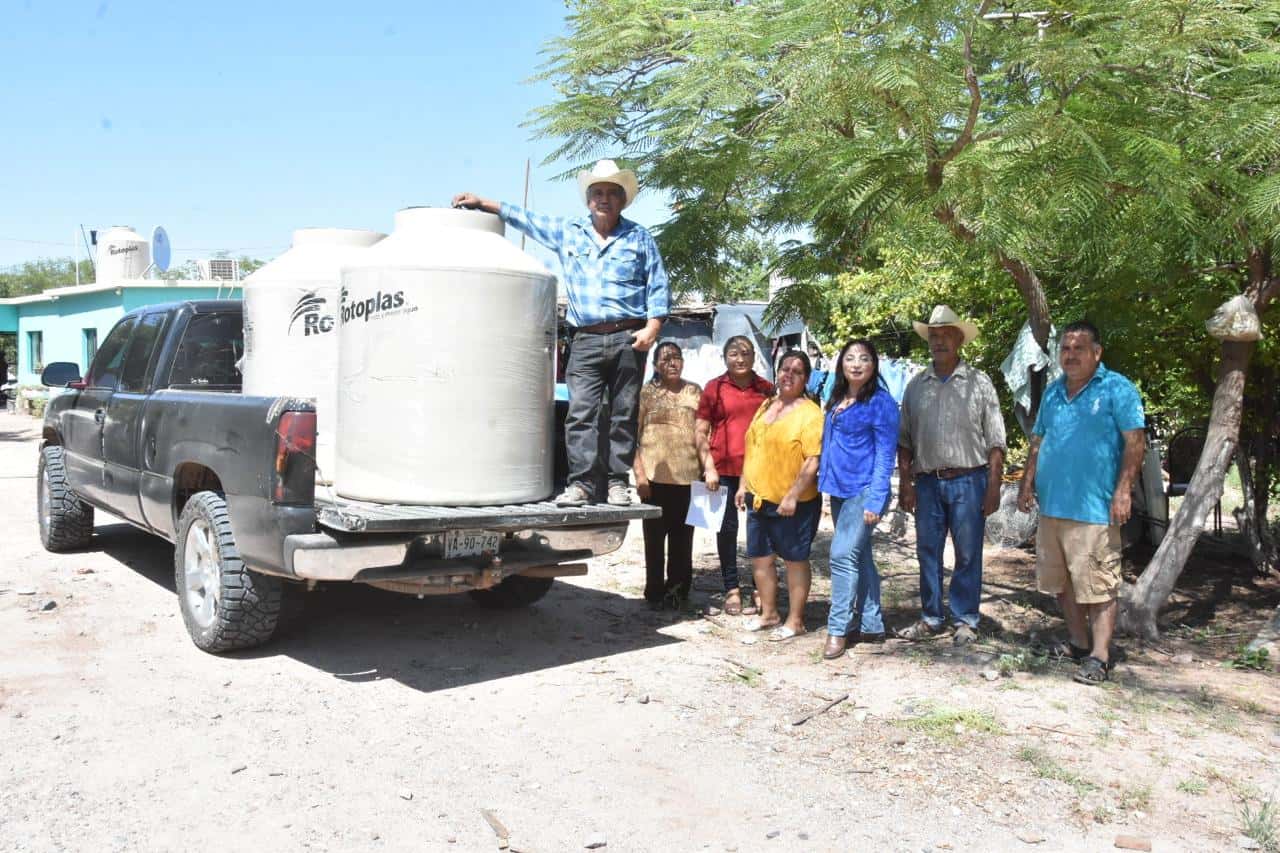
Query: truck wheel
pixel 225 605
pixel 514 591
pixel 66 522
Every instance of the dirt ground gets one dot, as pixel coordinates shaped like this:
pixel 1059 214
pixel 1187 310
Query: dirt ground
pixel 381 722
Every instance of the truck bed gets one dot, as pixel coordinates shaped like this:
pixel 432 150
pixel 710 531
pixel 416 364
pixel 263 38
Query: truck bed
pixel 353 516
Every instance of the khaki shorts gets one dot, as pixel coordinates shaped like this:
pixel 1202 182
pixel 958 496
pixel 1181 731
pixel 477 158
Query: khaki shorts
pixel 1087 553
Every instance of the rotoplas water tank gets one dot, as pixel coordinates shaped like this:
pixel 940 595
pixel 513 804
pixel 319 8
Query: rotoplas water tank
pixel 122 255
pixel 290 326
pixel 446 341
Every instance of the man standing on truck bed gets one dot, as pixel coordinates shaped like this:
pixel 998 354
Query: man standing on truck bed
pixel 618 297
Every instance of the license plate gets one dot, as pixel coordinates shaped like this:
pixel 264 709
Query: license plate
pixel 470 543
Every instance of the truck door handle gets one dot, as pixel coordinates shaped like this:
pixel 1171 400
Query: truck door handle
pixel 151 450
pixel 100 416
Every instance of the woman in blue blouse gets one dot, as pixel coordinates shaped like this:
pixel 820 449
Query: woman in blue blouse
pixel 859 441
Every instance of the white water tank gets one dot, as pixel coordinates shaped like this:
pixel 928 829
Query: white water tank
pixel 290 326
pixel 122 255
pixel 446 373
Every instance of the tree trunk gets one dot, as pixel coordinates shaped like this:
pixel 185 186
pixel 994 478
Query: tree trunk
pixel 1252 517
pixel 1033 294
pixel 1138 612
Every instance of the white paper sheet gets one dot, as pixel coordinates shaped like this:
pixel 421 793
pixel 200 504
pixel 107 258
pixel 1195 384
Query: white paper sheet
pixel 706 508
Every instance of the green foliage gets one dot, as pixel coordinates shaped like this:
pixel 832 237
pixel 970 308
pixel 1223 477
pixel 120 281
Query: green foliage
pixel 1258 820
pixel 1193 785
pixel 1247 658
pixel 1046 767
pixel 35 276
pixel 248 265
pixel 949 724
pixel 1126 152
pixel 1024 660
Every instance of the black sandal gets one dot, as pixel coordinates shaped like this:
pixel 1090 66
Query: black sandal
pixel 1092 671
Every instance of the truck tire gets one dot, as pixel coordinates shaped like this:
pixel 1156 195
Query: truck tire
pixel 514 591
pixel 225 605
pixel 66 522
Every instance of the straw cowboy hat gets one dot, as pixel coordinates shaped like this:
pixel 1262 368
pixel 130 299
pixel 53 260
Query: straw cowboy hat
pixel 943 316
pixel 607 172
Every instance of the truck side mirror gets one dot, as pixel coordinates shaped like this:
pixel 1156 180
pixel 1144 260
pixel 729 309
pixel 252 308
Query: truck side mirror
pixel 60 374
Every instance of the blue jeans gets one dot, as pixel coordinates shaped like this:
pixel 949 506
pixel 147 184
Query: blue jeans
pixel 855 583
pixel 953 506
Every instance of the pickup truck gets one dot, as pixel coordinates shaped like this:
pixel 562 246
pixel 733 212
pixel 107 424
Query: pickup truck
pixel 159 434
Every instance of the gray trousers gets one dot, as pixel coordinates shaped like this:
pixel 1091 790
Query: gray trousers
pixel 602 368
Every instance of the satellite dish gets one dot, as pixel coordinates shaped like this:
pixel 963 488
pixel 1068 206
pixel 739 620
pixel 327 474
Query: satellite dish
pixel 160 251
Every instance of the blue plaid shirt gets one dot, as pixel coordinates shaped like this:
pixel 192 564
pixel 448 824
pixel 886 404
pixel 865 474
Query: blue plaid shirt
pixel 622 280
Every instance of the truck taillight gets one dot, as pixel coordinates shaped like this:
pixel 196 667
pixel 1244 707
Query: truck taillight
pixel 295 458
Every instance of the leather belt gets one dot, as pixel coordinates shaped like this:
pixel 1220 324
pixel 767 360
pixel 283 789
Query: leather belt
pixel 952 473
pixel 611 326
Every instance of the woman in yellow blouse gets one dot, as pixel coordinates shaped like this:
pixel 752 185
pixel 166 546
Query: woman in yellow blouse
pixel 666 463
pixel 780 493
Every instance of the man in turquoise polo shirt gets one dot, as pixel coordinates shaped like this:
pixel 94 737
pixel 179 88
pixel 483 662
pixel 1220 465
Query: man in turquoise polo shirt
pixel 1086 448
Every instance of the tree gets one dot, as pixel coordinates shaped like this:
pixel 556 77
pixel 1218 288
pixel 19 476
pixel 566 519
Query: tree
pixel 44 274
pixel 1041 139
pixel 849 121
pixel 1225 123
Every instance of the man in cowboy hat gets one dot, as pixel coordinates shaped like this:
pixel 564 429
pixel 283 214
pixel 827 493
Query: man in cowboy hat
pixel 618 297
pixel 950 460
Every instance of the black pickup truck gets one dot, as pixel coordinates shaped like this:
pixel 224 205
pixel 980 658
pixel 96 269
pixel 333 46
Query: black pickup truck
pixel 159 434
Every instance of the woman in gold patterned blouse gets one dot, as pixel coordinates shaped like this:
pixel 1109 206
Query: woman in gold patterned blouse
pixel 666 463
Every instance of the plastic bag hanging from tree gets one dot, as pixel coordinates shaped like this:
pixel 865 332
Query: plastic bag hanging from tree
pixel 1235 320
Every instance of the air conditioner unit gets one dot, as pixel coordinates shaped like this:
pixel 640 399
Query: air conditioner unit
pixel 219 269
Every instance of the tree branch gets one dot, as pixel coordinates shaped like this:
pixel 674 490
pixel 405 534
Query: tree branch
pixel 946 214
pixel 975 102
pixel 1270 290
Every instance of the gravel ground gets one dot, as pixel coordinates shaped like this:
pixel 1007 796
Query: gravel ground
pixel 382 722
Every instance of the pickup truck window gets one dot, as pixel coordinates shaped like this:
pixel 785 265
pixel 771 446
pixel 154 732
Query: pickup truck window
pixel 105 371
pixel 207 356
pixel 138 355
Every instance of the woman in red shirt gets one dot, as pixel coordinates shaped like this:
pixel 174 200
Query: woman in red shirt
pixel 724 413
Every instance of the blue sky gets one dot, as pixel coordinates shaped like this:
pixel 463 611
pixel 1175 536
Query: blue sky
pixel 233 123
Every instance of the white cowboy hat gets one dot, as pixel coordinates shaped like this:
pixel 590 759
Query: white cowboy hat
pixel 943 316
pixel 607 172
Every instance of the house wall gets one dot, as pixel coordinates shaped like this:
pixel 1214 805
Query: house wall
pixel 62 322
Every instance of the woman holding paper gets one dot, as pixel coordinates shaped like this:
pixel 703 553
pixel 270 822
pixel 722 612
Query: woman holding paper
pixel 666 463
pixel 728 403
pixel 779 490
pixel 859 443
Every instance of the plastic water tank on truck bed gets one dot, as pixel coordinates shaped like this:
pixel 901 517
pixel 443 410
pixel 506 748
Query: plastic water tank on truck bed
pixel 446 339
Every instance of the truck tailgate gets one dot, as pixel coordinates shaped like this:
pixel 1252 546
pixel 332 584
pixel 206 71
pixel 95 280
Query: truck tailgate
pixel 352 516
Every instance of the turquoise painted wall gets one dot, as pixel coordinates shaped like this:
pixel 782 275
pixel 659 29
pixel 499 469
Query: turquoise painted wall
pixel 61 322
pixel 8 318
pixel 137 297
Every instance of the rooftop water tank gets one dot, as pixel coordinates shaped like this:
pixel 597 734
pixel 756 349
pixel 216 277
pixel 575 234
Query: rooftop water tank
pixel 446 373
pixel 122 255
pixel 290 326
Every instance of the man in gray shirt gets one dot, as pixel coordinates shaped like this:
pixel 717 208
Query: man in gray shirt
pixel 951 447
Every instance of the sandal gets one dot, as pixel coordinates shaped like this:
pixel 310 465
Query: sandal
pixel 783 633
pixel 752 607
pixel 733 607
pixel 921 630
pixel 759 625
pixel 1091 671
